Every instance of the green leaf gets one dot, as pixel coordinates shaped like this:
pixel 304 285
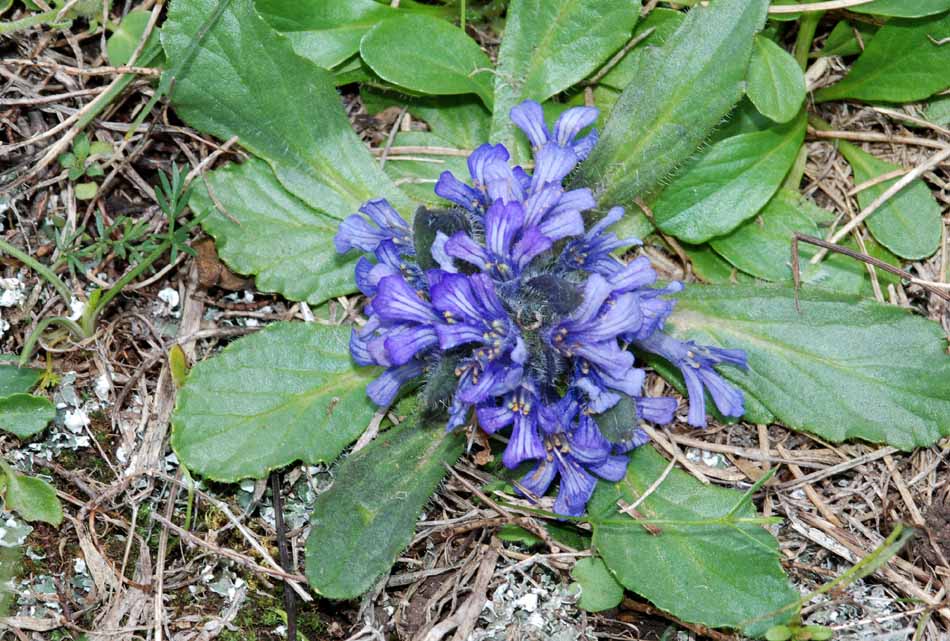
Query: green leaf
pixel 822 369
pixel 681 93
pixel 86 191
pixel 122 43
pixel 326 33
pixel 24 414
pixel 762 247
pixel 329 32
pixel 245 80
pixel 910 223
pixel 15 379
pixel 428 55
pixel 599 589
pixel 728 182
pixel 517 534
pixel 268 232
pixel 842 41
pixel 900 64
pixel 664 23
pixel 549 46
pixel 32 498
pixel 289 392
pixel 362 523
pixel 709 564
pixel 903 8
pixel 776 83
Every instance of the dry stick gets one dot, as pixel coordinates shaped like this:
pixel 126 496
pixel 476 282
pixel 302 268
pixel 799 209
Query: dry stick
pixel 871 260
pixel 74 71
pixel 904 491
pixel 873 136
pixel 839 468
pixel 247 534
pixel 900 115
pixel 290 603
pixel 675 452
pixel 918 171
pixel 811 493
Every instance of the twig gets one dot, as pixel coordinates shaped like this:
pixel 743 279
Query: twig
pixel 290 603
pixel 617 57
pixel 871 260
pixel 74 71
pixel 918 171
pixel 873 136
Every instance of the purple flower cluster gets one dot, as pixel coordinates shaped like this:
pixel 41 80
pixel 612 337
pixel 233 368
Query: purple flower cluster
pixel 505 308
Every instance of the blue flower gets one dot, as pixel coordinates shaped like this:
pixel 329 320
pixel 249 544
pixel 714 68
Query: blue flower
pixel 522 319
pixel 696 362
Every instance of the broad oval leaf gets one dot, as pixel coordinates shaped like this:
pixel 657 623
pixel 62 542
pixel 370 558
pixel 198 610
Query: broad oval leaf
pixel 549 46
pixel 839 369
pixel 762 247
pixel 728 182
pixel 242 78
pixel 122 43
pixel 325 32
pixel 25 415
pixel 902 63
pixel 682 91
pixel 707 565
pixel 903 8
pixel 910 223
pixel 776 82
pixel 32 498
pixel 599 589
pixel 14 380
pixel 267 231
pixel 361 524
pixel 289 392
pixel 425 54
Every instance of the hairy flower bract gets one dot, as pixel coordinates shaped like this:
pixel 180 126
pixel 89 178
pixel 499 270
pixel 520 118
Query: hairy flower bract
pixel 505 308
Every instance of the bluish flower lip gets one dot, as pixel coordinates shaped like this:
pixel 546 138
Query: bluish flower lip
pixel 533 313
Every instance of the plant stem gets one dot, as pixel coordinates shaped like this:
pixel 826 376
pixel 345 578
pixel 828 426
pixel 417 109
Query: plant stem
pixel 27 22
pixel 89 318
pixel 806 33
pixel 39 268
pixel 30 342
pixel 462 15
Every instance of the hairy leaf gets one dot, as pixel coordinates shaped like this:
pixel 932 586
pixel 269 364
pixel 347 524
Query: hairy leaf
pixel 551 45
pixel 362 523
pixel 902 63
pixel 267 231
pixel 728 182
pixel 776 83
pixel 682 91
pixel 428 55
pixel 838 369
pixel 707 564
pixel 24 414
pixel 244 80
pixel 909 223
pixel 289 392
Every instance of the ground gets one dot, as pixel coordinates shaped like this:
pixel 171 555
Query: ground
pixel 115 569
